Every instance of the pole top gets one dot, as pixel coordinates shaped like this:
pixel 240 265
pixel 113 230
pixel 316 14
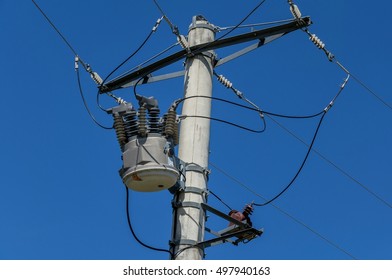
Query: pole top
pixel 200 21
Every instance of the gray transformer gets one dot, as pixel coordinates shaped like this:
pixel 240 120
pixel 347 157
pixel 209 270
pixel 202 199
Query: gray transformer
pixel 147 165
pixel 147 145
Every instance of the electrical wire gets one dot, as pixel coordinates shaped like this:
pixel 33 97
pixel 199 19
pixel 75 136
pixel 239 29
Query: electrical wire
pixel 133 232
pixel 341 170
pixel 240 183
pixel 227 122
pixel 371 91
pixel 133 53
pixel 85 102
pixel 242 21
pixel 255 24
pixel 181 100
pixel 55 28
pixel 300 168
pixel 184 249
pixel 217 197
pixel 148 60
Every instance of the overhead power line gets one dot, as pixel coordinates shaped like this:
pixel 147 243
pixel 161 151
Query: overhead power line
pixel 341 170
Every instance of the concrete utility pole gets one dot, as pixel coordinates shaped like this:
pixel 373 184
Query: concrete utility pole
pixel 189 217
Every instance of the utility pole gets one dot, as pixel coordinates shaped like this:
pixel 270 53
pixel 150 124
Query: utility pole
pixel 190 192
pixel 189 217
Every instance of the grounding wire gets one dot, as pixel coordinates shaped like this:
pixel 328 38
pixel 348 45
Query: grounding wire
pixel 242 184
pixel 133 232
pixel 300 168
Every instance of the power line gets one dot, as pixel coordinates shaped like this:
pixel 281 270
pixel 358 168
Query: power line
pixel 227 122
pixel 217 197
pixel 56 29
pixel 240 183
pixel 85 102
pixel 371 91
pixel 334 165
pixel 300 168
pixel 135 52
pixel 133 232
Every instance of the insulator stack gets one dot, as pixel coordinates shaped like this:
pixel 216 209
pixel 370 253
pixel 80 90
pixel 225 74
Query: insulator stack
pixel 155 125
pixel 96 78
pixel 120 130
pixel 183 42
pixel 295 11
pixel 176 137
pixel 130 124
pixel 224 81
pixel 248 210
pixel 170 123
pixel 317 41
pixel 143 121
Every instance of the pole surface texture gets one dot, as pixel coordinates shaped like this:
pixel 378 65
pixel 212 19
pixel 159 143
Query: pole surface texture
pixel 189 217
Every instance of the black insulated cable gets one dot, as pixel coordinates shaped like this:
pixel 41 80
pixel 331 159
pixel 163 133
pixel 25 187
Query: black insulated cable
pixel 133 232
pixel 300 168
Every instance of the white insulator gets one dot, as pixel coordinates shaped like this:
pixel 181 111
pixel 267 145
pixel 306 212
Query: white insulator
pixel 96 78
pixel 76 63
pixel 317 41
pixel 183 42
pixel 225 81
pixel 119 100
pixel 295 11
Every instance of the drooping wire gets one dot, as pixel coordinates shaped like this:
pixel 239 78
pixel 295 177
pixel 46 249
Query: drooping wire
pixel 148 60
pixel 341 170
pixel 217 197
pixel 179 101
pixel 133 232
pixel 182 117
pixel 85 102
pixel 300 168
pixel 134 52
pixel 240 183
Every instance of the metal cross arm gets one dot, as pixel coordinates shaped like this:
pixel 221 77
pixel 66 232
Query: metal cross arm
pixel 264 36
pixel 239 230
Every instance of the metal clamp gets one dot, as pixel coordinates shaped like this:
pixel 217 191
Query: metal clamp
pixel 186 204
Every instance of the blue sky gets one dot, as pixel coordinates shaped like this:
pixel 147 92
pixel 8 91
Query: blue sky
pixel 61 196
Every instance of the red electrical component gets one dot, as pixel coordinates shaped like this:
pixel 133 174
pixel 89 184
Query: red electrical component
pixel 242 216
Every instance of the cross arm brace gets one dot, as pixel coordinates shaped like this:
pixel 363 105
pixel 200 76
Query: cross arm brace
pixel 195 50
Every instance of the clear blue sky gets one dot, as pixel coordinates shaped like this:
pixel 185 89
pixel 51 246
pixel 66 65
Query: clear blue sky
pixel 61 196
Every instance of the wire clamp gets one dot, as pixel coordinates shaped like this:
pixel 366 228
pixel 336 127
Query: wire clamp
pixel 326 109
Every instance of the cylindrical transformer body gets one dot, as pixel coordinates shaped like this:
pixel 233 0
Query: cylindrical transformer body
pixel 147 165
